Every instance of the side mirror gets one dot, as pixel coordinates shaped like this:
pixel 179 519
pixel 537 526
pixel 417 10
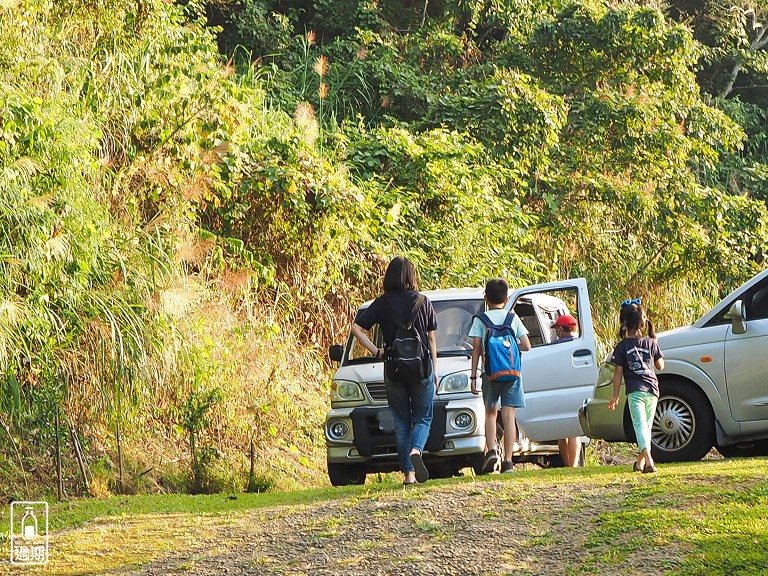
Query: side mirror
pixel 738 317
pixel 336 352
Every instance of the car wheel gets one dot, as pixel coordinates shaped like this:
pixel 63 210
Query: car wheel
pixel 500 437
pixel 684 425
pixel 344 474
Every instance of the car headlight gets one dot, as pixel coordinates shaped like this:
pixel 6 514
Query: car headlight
pixel 454 383
pixel 463 420
pixel 338 429
pixel 345 391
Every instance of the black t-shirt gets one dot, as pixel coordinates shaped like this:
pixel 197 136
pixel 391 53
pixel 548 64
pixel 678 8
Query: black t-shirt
pixel 398 304
pixel 637 357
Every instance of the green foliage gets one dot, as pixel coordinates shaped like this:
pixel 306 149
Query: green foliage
pixel 177 223
pixel 195 418
pixel 589 46
pixel 195 410
pixel 512 116
pixel 56 244
pixel 429 190
pixel 744 171
pixel 259 25
pixel 636 128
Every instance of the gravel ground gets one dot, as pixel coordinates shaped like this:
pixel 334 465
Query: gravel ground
pixel 474 528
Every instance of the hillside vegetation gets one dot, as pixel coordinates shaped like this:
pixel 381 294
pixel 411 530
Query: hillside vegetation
pixel 195 196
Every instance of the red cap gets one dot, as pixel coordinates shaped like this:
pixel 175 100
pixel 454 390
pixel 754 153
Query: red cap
pixel 566 321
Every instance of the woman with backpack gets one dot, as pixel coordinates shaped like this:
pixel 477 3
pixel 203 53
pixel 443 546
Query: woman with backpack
pixel 407 322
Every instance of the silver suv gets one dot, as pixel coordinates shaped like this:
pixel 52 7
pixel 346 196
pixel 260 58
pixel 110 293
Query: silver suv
pixel 714 388
pixel 359 430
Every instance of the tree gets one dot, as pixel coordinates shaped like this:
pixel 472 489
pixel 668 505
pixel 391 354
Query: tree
pixel 735 39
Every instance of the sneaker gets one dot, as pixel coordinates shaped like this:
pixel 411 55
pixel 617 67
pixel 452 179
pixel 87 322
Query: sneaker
pixel 492 462
pixel 507 466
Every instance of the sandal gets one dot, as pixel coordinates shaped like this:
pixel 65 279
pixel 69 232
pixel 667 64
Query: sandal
pixel 422 474
pixel 650 469
pixel 636 467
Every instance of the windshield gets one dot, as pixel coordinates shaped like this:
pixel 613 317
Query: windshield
pixel 454 318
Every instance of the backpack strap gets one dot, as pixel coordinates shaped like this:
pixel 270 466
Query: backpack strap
pixel 508 320
pixel 483 317
pixel 414 312
pixel 416 307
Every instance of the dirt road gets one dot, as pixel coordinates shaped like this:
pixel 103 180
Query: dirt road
pixel 497 526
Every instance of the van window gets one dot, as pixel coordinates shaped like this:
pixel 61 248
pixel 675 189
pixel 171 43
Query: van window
pixel 538 312
pixel 358 352
pixel 527 314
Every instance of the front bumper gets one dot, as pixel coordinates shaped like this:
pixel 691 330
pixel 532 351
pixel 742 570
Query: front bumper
pixel 370 441
pixel 596 419
pixel 599 421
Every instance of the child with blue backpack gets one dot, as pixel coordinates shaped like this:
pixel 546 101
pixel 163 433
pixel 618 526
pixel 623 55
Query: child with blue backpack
pixel 498 335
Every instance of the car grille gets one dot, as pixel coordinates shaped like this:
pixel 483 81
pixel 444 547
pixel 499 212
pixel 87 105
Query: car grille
pixel 376 391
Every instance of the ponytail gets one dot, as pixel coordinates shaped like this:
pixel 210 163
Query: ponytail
pixel 623 330
pixel 651 329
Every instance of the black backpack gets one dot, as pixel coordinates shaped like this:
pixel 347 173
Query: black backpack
pixel 405 358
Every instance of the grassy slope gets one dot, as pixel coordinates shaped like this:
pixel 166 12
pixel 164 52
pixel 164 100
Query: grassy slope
pixel 715 511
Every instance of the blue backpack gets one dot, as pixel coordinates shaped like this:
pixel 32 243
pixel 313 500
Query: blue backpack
pixel 502 354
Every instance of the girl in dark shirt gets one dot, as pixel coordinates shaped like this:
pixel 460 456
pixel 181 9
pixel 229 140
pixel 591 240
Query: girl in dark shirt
pixel 635 358
pixel 411 402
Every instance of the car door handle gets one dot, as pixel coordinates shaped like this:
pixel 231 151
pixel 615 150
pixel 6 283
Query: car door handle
pixel 582 352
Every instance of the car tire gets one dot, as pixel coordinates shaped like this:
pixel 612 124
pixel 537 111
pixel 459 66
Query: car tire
pixel 345 474
pixel 499 443
pixel 684 425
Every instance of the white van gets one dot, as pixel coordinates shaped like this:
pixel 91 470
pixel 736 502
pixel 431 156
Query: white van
pixel 557 376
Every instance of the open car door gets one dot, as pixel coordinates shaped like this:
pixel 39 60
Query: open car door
pixel 557 375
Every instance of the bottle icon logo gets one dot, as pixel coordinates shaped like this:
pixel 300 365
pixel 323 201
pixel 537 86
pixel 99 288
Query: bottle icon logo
pixel 29 533
pixel 29 524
